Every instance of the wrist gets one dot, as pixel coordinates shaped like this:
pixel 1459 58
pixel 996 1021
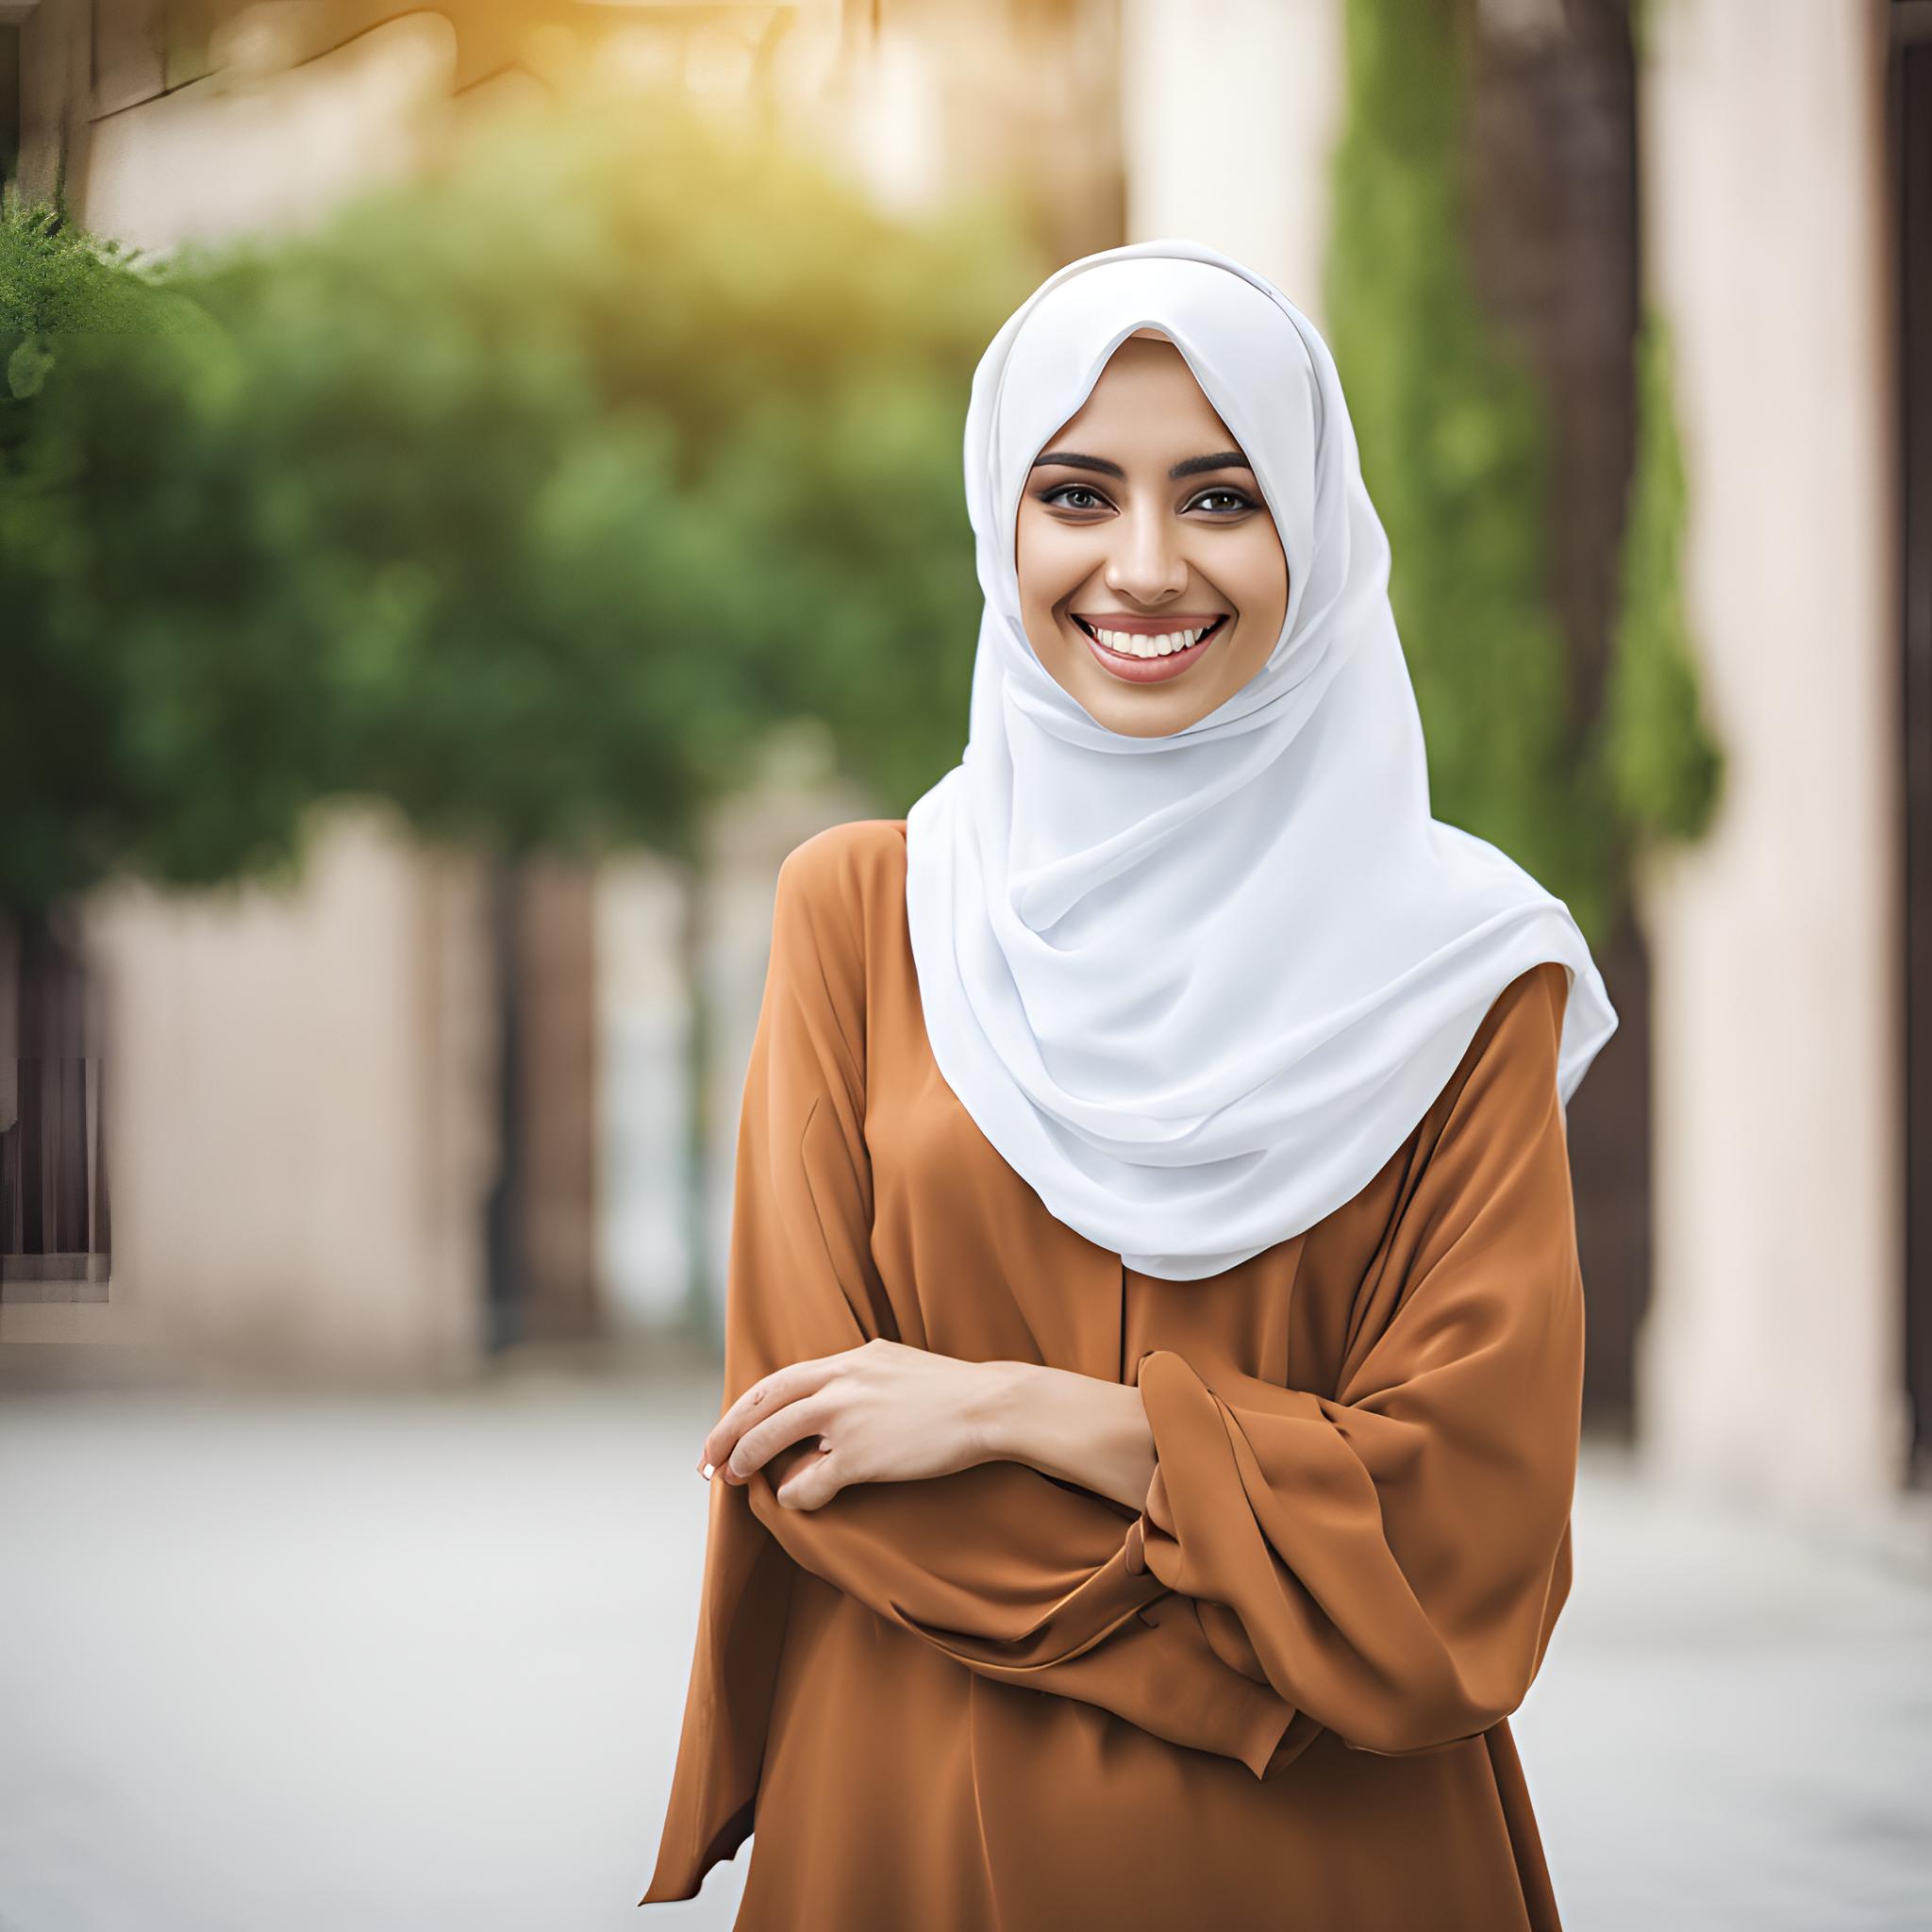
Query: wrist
pixel 999 1423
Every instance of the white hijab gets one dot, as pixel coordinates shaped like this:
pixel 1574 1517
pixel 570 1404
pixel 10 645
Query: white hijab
pixel 1197 990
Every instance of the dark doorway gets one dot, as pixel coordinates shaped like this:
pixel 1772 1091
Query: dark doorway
pixel 55 1225
pixel 541 1216
pixel 1911 175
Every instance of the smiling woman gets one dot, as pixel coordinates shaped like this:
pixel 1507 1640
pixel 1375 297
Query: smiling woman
pixel 1156 592
pixel 1154 1332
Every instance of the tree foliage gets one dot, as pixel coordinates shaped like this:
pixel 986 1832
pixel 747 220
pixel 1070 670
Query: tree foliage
pixel 525 495
pixel 1665 770
pixel 1455 439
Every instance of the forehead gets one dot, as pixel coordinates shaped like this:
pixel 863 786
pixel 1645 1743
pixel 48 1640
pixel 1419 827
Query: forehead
pixel 1147 396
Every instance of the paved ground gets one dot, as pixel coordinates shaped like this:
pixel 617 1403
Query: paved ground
pixel 395 1665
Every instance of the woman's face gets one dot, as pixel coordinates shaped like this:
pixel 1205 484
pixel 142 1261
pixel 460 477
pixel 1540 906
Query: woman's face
pixel 1109 539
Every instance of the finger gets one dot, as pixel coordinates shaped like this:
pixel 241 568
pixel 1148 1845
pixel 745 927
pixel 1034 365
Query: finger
pixel 815 1483
pixel 795 1423
pixel 769 1392
pixel 771 1395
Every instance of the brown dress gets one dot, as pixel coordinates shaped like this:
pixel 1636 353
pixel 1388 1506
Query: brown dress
pixel 1277 1696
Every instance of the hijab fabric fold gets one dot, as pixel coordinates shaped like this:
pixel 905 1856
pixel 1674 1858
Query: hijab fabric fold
pixel 1198 989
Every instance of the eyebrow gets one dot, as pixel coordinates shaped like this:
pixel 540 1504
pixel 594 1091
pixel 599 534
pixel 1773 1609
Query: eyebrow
pixel 1227 460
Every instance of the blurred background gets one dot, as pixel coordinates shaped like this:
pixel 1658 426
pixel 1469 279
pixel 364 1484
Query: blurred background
pixel 479 485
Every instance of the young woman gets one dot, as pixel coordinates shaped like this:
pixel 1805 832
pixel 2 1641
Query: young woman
pixel 1154 1333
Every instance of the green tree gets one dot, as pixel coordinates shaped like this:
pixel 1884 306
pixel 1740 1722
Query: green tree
pixel 1454 441
pixel 1664 768
pixel 525 495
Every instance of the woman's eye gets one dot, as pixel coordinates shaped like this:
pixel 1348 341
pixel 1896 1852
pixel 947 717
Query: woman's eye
pixel 1238 498
pixel 1063 489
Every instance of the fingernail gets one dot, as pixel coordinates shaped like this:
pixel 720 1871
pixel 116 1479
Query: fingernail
pixel 705 1470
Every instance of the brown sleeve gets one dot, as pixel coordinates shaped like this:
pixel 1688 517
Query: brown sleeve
pixel 1019 1577
pixel 1392 1561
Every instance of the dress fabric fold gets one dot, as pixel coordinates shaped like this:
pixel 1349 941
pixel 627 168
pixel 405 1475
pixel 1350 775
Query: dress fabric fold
pixel 1279 1691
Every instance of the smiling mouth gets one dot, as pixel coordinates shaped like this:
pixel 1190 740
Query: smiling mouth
pixel 1140 649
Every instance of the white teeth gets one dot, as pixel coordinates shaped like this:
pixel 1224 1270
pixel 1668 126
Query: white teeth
pixel 1134 645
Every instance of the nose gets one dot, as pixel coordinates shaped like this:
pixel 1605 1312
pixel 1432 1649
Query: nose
pixel 1146 563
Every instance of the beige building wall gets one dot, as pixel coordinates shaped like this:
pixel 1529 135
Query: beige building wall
pixel 300 1115
pixel 1266 76
pixel 1771 1362
pixel 270 148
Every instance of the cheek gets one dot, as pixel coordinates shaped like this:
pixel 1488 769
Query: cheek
pixel 1051 561
pixel 1258 576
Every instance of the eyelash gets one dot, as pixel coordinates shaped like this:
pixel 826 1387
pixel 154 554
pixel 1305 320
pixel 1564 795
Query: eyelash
pixel 1243 499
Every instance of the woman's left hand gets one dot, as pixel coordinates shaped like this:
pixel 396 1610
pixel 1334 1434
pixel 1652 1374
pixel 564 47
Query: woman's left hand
pixel 883 1412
